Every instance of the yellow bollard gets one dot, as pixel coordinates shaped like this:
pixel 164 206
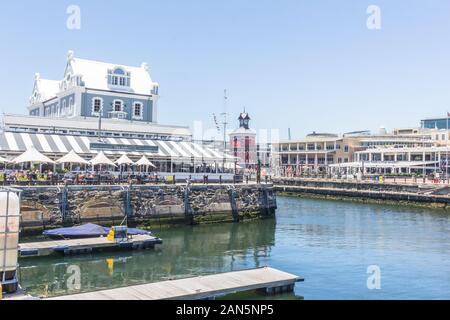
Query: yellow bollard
pixel 1 291
pixel 110 236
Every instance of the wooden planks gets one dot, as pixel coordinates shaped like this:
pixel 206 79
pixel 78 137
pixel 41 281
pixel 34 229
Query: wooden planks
pixel 45 248
pixel 202 287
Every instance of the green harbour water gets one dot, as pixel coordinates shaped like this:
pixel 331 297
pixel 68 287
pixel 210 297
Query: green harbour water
pixel 329 243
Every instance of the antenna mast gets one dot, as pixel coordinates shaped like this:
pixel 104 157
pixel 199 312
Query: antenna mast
pixel 224 114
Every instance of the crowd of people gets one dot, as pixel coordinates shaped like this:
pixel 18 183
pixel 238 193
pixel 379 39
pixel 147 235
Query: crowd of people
pixel 26 177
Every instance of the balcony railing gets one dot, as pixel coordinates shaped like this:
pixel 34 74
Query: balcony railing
pixel 117 115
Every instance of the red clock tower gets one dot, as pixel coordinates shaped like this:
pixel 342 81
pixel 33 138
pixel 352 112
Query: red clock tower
pixel 243 143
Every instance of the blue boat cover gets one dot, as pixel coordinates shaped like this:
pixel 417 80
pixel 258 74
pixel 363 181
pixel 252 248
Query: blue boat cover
pixel 88 230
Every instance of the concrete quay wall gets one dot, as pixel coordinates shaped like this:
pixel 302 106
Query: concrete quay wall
pixel 416 193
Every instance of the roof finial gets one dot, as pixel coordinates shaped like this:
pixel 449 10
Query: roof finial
pixel 145 66
pixel 70 55
pixel 37 76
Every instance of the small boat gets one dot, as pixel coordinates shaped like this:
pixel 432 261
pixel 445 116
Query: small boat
pixel 88 230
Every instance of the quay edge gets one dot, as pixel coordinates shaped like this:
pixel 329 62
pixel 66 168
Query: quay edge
pixel 434 196
pixel 148 206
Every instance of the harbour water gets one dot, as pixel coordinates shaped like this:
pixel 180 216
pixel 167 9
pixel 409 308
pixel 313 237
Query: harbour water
pixel 329 243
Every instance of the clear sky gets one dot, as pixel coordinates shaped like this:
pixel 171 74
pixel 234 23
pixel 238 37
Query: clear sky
pixel 308 65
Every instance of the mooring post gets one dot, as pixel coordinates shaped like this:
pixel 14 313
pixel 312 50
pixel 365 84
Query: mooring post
pixel 233 203
pixel 187 206
pixel 128 208
pixel 63 204
pixel 267 202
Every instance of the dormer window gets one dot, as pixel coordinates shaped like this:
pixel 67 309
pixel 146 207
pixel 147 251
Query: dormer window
pixel 119 77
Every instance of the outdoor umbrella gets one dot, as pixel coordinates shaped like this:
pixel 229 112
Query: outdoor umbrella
pixel 72 157
pixel 100 159
pixel 124 160
pixel 33 156
pixel 145 162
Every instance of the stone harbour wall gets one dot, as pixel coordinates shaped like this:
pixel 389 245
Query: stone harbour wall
pixel 349 185
pixel 431 195
pixel 145 206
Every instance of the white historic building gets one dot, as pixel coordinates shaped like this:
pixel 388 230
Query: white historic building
pixel 109 108
pixel 92 88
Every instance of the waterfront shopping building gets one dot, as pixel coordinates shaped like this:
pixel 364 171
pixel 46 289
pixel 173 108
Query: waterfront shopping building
pixel 406 150
pixel 106 107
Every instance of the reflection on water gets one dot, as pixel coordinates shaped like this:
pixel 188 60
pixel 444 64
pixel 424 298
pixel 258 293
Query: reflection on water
pixel 329 243
pixel 187 251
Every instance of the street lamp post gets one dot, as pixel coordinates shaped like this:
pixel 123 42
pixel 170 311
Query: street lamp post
pixel 100 124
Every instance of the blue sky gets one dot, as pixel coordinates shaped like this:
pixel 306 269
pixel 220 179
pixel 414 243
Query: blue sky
pixel 307 65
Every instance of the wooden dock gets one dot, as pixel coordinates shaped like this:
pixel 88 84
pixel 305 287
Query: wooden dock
pixel 18 296
pixel 83 246
pixel 197 288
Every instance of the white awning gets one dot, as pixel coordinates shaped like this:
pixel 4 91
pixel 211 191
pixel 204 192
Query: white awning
pixel 72 157
pixel 124 160
pixel 83 145
pixel 101 159
pixel 33 156
pixel 145 162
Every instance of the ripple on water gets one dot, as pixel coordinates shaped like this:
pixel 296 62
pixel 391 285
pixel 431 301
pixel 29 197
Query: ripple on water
pixel 330 243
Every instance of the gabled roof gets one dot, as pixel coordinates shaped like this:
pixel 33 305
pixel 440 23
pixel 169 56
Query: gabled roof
pixel 244 115
pixel 45 89
pixel 48 88
pixel 95 75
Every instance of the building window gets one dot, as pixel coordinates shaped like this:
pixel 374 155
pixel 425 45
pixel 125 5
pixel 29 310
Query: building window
pixel 97 105
pixel 118 106
pixel 138 110
pixel 247 149
pixel 346 148
pixel 64 105
pixel 70 112
pixel 119 77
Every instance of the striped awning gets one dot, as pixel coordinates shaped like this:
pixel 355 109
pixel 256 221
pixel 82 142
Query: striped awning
pixel 16 142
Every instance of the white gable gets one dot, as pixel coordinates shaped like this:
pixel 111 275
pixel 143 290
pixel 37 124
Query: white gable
pixel 48 88
pixel 44 90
